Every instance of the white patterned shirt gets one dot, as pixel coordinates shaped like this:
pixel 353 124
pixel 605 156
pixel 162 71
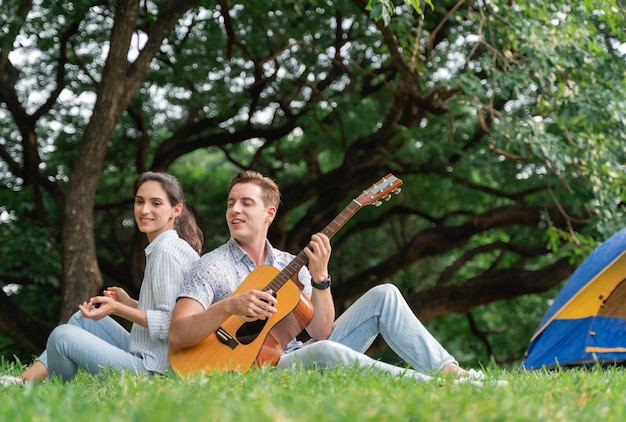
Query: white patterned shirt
pixel 218 273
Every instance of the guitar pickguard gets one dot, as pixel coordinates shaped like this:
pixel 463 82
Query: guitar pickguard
pixel 249 331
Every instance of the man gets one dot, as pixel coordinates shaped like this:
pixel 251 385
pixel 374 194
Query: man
pixel 206 299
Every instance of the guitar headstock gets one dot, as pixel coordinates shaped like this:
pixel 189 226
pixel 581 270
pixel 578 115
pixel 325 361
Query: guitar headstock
pixel 380 190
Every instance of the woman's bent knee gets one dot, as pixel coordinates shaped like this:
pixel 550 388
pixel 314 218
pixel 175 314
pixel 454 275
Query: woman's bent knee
pixel 60 335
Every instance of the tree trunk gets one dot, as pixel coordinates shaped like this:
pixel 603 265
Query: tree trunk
pixel 120 81
pixel 81 275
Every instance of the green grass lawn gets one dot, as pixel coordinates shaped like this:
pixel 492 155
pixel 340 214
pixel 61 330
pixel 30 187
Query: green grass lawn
pixel 340 395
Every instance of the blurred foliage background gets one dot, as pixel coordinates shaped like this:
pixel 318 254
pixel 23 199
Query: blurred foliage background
pixel 505 121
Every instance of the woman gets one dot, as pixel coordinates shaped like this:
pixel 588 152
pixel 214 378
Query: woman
pixel 91 339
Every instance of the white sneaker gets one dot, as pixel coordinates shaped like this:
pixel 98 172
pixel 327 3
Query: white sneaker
pixel 9 380
pixel 478 379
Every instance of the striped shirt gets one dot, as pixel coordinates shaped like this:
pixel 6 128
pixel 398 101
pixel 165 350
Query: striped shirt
pixel 168 261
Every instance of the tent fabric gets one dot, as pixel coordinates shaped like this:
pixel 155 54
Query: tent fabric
pixel 586 322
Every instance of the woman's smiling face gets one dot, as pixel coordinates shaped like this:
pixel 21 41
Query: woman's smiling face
pixel 154 213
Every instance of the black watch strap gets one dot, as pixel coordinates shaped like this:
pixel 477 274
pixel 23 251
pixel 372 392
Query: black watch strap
pixel 323 285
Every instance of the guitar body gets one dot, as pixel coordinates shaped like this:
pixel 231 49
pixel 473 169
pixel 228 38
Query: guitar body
pixel 241 343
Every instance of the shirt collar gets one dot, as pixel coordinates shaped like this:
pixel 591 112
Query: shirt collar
pixel 166 236
pixel 239 254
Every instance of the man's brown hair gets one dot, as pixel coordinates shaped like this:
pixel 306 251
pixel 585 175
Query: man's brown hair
pixel 271 193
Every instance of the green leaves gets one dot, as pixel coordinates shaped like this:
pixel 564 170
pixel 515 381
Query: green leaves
pixel 384 9
pixel 29 254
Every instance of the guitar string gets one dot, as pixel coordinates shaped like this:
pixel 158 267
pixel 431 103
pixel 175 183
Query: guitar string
pixel 301 259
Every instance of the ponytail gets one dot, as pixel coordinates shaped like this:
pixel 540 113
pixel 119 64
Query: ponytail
pixel 187 228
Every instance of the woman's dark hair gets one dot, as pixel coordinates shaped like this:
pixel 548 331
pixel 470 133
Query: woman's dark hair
pixel 185 224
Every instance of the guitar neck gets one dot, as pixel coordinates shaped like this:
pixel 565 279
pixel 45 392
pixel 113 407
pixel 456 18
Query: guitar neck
pixel 302 259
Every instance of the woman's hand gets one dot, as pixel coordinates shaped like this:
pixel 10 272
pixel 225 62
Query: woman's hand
pixel 118 294
pixel 98 307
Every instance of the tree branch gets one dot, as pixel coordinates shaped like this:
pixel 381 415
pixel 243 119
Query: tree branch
pixel 487 287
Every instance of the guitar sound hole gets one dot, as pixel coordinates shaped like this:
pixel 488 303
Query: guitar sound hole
pixel 249 331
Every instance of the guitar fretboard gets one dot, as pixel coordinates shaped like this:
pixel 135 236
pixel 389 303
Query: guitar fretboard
pixel 301 259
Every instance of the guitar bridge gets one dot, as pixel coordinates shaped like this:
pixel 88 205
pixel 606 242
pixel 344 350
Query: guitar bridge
pixel 225 338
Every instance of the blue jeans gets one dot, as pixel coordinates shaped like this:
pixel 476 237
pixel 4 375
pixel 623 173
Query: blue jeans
pixel 380 310
pixel 90 345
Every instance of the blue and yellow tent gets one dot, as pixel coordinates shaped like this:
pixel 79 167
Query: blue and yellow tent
pixel 586 323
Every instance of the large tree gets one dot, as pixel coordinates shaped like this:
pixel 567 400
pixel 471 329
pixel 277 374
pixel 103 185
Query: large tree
pixel 504 120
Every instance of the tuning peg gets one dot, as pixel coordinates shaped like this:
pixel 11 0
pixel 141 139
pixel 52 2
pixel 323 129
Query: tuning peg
pixel 397 191
pixel 377 203
pixel 387 197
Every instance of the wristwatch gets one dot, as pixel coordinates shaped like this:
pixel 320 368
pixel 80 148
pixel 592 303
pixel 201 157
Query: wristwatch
pixel 323 285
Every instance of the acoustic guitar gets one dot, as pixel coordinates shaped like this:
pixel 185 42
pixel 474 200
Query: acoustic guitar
pixel 240 342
